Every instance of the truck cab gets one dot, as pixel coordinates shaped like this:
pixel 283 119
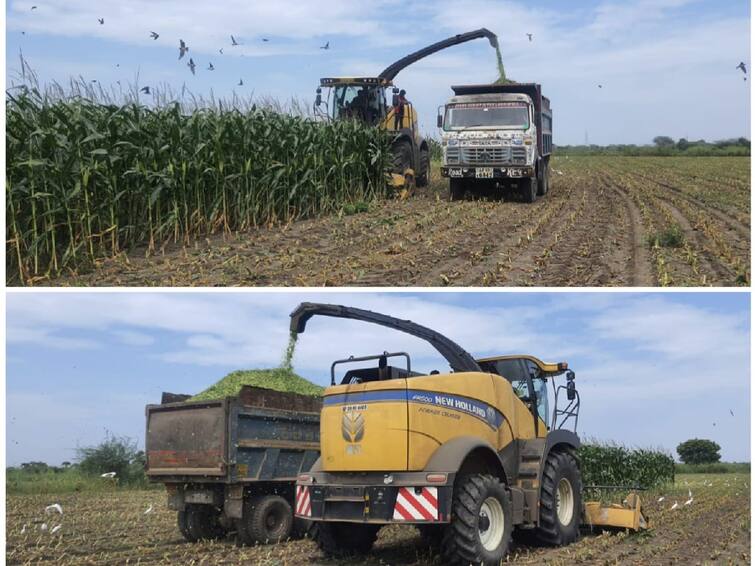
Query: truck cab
pixel 496 136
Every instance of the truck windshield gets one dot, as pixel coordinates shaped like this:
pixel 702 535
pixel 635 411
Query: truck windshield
pixel 493 115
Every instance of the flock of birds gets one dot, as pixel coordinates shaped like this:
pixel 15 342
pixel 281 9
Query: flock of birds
pixel 183 49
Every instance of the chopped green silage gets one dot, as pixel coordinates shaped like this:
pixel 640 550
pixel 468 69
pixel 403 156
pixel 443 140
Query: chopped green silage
pixel 279 379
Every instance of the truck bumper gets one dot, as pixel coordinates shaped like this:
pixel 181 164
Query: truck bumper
pixel 408 498
pixel 463 172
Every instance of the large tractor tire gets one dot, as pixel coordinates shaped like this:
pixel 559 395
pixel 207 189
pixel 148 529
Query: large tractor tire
pixel 339 540
pixel 266 519
pixel 543 181
pixel 528 188
pixel 200 522
pixel 423 177
pixel 560 500
pixel 481 522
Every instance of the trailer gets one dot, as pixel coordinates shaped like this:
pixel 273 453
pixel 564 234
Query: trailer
pixel 231 464
pixel 495 137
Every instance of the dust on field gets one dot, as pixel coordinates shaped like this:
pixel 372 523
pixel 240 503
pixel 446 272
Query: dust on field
pixel 606 221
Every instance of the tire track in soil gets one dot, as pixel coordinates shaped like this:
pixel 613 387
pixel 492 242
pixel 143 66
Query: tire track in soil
pixel 641 268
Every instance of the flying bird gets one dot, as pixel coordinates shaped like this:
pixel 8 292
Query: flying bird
pixel 145 89
pixel 149 510
pixel 265 39
pixel 732 412
pixel 55 529
pixel 211 67
pixel 108 475
pixel 233 41
pixel 191 66
pixel 54 507
pixel 529 35
pixel 742 66
pixel 600 86
pixel 101 20
pixel 182 49
pixel 221 50
pixel 154 34
pixel 326 46
pixel 241 82
pixel 33 7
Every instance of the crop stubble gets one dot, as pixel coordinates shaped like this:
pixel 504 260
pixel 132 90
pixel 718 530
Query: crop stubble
pixel 602 223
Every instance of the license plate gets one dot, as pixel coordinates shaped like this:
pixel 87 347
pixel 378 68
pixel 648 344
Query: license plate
pixel 484 173
pixel 515 172
pixel 454 173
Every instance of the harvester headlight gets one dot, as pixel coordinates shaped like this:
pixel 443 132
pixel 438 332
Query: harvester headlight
pixel 388 479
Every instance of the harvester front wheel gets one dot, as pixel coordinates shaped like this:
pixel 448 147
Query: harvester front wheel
pixel 339 540
pixel 560 500
pixel 424 168
pixel 481 522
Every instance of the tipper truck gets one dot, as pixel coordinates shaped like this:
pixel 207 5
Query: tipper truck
pixel 467 455
pixel 496 137
pixel 230 464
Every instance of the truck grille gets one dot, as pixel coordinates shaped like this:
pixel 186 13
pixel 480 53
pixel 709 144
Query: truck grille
pixel 485 155
pixel 452 155
pixel 519 155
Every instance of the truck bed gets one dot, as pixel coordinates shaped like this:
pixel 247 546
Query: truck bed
pixel 257 436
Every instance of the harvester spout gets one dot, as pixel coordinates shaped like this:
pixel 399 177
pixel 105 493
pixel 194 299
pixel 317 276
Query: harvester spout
pixel 458 358
pixel 391 71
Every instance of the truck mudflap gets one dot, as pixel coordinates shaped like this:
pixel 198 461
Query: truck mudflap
pixel 374 503
pixel 513 172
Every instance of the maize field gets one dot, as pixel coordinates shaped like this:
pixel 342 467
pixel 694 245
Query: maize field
pixel 129 527
pixel 606 221
pixel 616 465
pixel 88 180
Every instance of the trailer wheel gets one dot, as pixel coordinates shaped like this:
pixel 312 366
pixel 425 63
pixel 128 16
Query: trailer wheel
pixel 560 500
pixel 200 522
pixel 543 182
pixel 267 519
pixel 528 187
pixel 424 168
pixel 338 540
pixel 481 523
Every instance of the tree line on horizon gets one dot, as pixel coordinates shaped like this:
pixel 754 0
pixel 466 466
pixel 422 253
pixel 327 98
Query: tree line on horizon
pixel 664 146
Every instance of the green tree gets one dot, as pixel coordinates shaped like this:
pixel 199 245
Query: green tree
pixel 663 141
pixel 114 454
pixel 699 451
pixel 682 144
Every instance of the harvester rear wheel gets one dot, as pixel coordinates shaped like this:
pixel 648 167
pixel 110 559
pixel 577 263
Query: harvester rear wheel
pixel 344 539
pixel 560 500
pixel 481 522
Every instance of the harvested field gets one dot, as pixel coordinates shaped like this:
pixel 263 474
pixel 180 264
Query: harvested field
pixel 112 528
pixel 607 221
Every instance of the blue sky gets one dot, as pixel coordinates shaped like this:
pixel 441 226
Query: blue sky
pixel 652 369
pixel 667 66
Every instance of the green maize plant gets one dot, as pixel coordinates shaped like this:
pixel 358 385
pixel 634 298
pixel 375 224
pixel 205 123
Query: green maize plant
pixel 612 464
pixel 86 180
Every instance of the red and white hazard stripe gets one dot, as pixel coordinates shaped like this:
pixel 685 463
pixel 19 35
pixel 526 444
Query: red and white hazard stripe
pixel 303 505
pixel 413 506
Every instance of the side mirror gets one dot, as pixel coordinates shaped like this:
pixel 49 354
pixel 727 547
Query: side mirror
pixel 571 391
pixel 395 90
pixel 318 97
pixel 440 121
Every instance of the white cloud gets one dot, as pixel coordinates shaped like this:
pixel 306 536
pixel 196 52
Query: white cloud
pixel 132 338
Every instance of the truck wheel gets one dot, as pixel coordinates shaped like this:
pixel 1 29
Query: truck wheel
pixel 424 168
pixel 267 519
pixel 560 500
pixel 528 186
pixel 543 181
pixel 338 540
pixel 200 522
pixel 183 526
pixel 481 524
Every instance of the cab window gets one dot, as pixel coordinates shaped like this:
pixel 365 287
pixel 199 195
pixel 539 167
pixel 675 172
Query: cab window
pixel 541 389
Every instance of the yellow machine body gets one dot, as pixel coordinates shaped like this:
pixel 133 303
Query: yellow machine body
pixel 628 515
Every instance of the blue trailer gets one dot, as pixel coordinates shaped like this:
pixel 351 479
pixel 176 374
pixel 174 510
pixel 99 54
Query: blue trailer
pixel 231 464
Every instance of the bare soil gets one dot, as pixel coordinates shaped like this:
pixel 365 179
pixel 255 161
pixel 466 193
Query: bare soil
pixel 601 224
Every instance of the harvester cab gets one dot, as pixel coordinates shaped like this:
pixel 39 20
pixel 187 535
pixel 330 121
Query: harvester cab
pixel 378 102
pixel 402 446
